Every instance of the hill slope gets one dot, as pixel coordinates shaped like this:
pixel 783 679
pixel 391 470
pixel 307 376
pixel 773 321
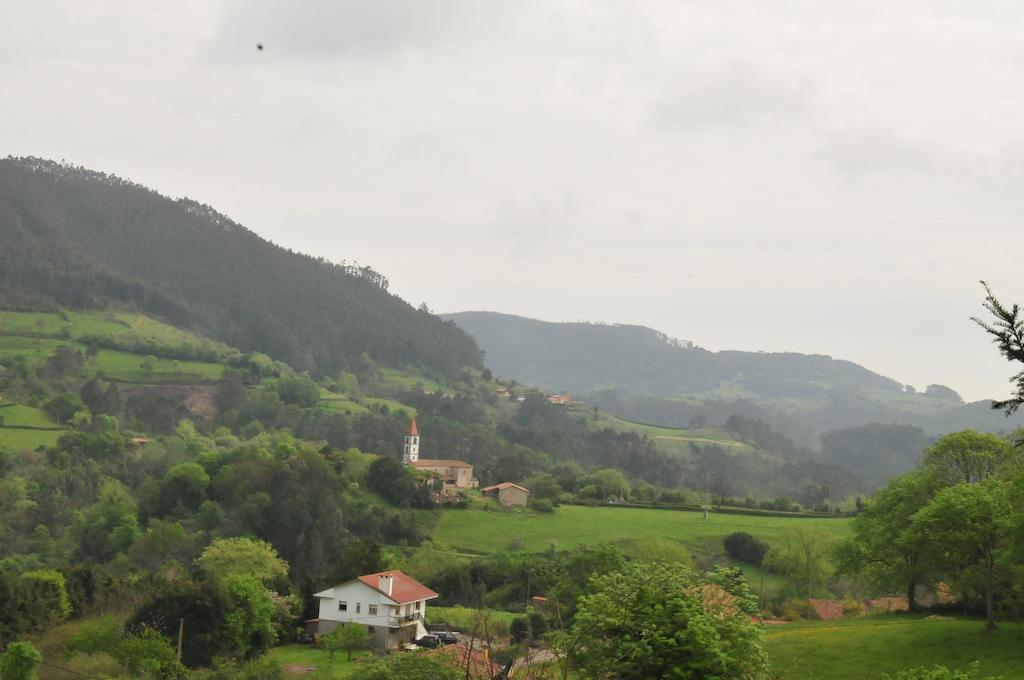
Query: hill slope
pixel 80 238
pixel 582 357
pixel 642 374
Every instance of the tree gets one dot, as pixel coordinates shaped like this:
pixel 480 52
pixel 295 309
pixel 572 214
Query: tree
pixel 885 548
pixel 64 406
pixel 248 628
pixel 800 553
pixel 298 390
pixel 348 637
pixel 244 556
pixel 20 661
pixel 968 456
pixel 660 621
pixel 745 547
pixel 230 391
pixel 971 524
pixel 1007 331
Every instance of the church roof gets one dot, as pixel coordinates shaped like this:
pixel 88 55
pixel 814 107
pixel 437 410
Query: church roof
pixel 413 430
pixel 440 462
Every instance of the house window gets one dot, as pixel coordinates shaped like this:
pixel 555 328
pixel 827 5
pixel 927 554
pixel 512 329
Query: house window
pixel 359 607
pixel 372 610
pixel 418 606
pixel 342 606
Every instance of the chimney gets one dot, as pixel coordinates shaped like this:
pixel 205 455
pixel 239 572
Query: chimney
pixel 385 585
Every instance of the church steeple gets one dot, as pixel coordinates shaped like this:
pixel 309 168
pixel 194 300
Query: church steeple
pixel 411 447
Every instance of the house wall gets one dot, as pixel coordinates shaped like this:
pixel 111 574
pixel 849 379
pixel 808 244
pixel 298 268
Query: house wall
pixel 359 596
pixel 512 496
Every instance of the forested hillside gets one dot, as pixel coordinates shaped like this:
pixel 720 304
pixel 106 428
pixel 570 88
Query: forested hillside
pixel 73 237
pixel 643 374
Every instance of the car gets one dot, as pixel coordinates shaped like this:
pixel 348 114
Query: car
pixel 447 637
pixel 429 641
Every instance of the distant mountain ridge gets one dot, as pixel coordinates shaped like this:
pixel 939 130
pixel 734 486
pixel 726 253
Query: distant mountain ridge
pixel 74 237
pixel 637 360
pixel 640 373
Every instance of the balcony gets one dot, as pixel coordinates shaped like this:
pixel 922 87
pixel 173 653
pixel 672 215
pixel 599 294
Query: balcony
pixel 405 619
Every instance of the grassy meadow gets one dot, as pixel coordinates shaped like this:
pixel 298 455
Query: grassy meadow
pixel 573 525
pixel 864 648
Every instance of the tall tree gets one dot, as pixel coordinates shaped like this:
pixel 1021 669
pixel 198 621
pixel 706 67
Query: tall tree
pixel 971 525
pixel 660 621
pixel 1007 331
pixel 885 548
pixel 968 456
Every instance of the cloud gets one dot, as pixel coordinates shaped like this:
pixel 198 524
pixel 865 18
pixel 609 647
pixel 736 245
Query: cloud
pixel 735 93
pixel 864 153
pixel 527 226
pixel 351 28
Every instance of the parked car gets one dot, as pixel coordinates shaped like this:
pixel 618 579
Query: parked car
pixel 448 638
pixel 429 641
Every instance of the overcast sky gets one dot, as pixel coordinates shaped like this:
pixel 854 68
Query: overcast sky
pixel 816 176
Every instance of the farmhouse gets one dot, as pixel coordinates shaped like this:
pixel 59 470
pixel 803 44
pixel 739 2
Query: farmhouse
pixel 507 493
pixel 454 474
pixel 391 604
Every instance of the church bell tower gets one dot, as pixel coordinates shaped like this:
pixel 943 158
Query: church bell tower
pixel 411 447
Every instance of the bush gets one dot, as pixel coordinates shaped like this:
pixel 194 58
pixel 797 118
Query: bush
pixel 745 547
pixel 852 606
pixel 542 505
pixel 795 609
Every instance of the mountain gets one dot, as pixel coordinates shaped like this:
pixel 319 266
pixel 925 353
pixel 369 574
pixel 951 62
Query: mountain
pixel 78 238
pixel 643 374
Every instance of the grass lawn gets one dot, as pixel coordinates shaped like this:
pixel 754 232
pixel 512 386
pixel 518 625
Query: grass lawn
pixel 339 404
pixel 462 618
pixel 126 366
pixel 391 405
pixel 866 647
pixel 396 380
pixel 572 525
pixel 19 440
pixel 308 655
pixel 26 416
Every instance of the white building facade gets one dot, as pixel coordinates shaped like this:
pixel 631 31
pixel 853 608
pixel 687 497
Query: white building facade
pixel 391 604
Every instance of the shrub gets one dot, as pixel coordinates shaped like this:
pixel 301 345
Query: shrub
pixel 796 608
pixel 745 547
pixel 852 606
pixel 543 505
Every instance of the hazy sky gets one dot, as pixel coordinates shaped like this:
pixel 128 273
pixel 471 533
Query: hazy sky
pixel 827 177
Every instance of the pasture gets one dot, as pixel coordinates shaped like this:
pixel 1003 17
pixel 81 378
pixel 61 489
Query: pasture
pixel 864 648
pixel 28 440
pixel 569 526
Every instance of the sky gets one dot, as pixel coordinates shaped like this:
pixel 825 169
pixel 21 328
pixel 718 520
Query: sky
pixel 821 177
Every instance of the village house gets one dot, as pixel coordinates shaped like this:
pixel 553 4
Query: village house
pixel 508 494
pixel 391 604
pixel 560 399
pixel 454 474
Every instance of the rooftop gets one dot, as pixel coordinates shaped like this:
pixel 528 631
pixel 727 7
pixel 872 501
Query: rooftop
pixel 440 462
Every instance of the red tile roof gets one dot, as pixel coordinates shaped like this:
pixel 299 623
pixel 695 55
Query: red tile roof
pixel 440 462
pixel 504 485
pixel 413 430
pixel 404 588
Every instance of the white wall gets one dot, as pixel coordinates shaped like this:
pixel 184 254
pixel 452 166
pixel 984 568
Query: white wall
pixel 360 596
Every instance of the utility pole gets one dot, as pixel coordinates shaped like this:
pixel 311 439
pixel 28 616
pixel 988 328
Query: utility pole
pixel 181 636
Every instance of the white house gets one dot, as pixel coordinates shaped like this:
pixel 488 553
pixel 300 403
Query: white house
pixel 391 604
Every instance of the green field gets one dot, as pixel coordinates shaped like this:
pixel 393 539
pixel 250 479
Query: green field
pixel 18 440
pixel 308 655
pixel 108 323
pixel 18 415
pixel 463 618
pixel 573 525
pixel 864 648
pixel 675 440
pixel 127 367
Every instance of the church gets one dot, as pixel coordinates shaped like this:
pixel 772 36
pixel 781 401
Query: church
pixel 454 474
